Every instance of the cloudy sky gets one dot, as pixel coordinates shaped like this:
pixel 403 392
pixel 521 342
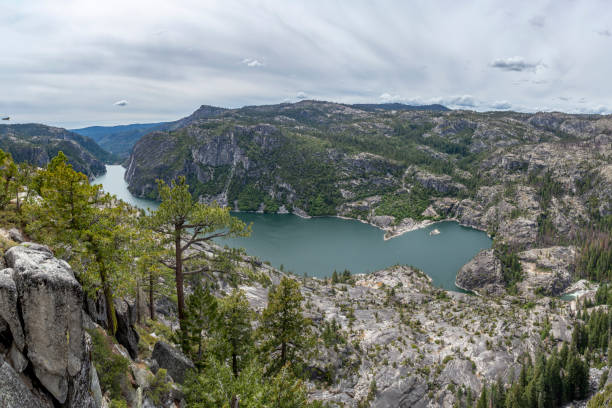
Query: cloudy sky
pixel 78 62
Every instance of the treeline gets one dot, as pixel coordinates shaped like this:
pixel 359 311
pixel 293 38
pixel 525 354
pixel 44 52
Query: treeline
pixel 549 382
pixel 564 375
pixel 512 271
pixel 595 259
pixel 593 338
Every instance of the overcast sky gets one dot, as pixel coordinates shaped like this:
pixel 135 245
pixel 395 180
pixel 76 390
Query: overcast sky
pixel 78 62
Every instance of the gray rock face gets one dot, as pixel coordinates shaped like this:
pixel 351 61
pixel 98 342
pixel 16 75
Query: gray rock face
pixel 16 235
pixel 175 362
pixel 126 334
pixel 483 274
pixel 441 183
pixel 48 300
pixel 15 394
pixel 408 393
pixel 519 231
pixel 8 307
pixel 547 270
pixel 17 360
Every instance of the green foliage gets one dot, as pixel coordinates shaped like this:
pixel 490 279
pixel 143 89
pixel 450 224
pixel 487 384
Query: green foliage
pixel 85 226
pixel 550 382
pixel 282 324
pixel 405 204
pixel 595 259
pixel 8 176
pixel 511 266
pixel 602 399
pixel 112 368
pixel 233 337
pixel 331 334
pixel 158 386
pixel 249 198
pixel 216 386
pixel 182 223
pixel 201 321
pixel 344 277
pixel 118 404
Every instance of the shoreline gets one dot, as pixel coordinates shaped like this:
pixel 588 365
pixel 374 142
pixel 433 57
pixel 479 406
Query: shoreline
pixel 389 232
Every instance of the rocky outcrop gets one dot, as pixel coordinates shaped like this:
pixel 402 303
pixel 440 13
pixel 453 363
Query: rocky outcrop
pixel 547 270
pixel 441 183
pixel 483 274
pixel 126 334
pixel 518 232
pixel 42 292
pixel 175 362
pixel 14 393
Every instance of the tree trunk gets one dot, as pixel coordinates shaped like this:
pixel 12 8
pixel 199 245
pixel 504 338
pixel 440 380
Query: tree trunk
pixel 235 364
pixel 138 301
pixel 283 353
pixel 151 300
pixel 110 306
pixel 234 402
pixel 179 276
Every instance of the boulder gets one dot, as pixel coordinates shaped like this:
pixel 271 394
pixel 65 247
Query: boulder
pixel 126 334
pixel 49 305
pixel 8 307
pixel 175 362
pixel 15 394
pixel 15 235
pixel 483 274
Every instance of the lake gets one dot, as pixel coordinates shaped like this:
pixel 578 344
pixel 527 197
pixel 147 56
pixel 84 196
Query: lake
pixel 318 246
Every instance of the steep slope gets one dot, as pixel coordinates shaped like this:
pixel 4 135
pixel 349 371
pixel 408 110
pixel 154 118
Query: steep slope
pixel 528 178
pixel 37 144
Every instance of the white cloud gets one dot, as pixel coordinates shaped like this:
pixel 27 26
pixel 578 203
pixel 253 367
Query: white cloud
pixel 252 62
pixel 179 55
pixel 301 95
pixel 122 102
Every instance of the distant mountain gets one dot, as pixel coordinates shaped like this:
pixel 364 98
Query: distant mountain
pixel 119 139
pixel 399 106
pixel 37 144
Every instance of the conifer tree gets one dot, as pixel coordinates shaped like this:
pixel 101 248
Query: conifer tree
pixel 233 337
pixel 283 324
pixel 184 223
pixel 201 315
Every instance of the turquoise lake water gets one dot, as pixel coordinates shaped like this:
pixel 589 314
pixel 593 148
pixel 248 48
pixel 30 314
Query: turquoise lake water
pixel 318 246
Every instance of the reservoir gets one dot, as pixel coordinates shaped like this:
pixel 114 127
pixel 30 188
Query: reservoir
pixel 318 246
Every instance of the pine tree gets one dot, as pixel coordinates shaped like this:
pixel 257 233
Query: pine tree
pixel 201 315
pixel 8 174
pixel 233 338
pixel 184 223
pixel 283 324
pixel 483 400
